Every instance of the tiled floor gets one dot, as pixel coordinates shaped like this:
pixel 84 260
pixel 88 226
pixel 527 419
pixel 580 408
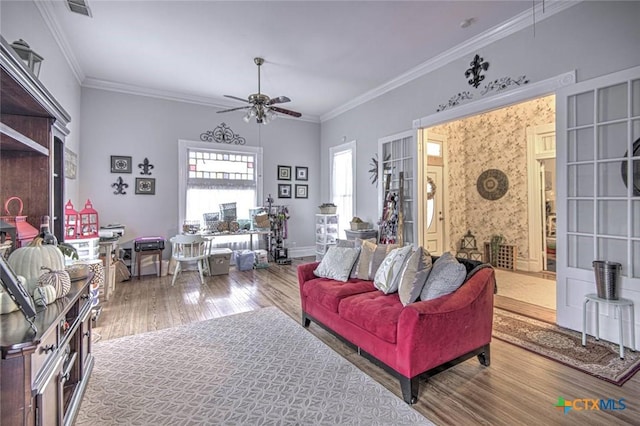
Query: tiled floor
pixel 535 288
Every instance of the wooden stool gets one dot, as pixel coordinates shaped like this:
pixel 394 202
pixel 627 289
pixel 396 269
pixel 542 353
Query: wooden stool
pixel 140 254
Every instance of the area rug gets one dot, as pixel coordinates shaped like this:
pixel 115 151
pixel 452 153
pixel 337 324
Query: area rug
pixel 258 367
pixel 598 358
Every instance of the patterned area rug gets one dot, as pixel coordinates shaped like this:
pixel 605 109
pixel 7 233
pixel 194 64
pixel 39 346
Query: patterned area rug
pixel 598 358
pixel 258 367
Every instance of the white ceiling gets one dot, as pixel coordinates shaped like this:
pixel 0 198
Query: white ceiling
pixel 321 54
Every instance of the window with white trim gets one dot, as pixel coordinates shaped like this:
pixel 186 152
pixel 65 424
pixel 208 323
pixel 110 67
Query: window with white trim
pixel 343 167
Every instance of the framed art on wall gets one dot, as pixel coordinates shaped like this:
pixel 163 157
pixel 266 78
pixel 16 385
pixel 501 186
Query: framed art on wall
pixel 120 164
pixel 302 173
pixel 284 190
pixel 302 191
pixel 284 172
pixel 145 186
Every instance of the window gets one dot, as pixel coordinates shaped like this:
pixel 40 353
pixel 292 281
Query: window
pixel 211 175
pixel 342 186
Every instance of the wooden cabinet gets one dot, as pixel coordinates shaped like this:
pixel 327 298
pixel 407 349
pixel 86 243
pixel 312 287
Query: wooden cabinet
pixel 30 120
pixel 44 374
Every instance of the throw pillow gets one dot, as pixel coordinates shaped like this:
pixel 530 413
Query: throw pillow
pixel 446 276
pixel 371 257
pixel 387 277
pixel 414 276
pixel 346 243
pixel 337 263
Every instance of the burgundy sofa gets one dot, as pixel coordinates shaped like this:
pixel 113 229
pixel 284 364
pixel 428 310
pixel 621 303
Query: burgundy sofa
pixel 421 339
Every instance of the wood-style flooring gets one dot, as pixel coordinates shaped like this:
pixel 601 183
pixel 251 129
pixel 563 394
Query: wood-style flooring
pixel 519 388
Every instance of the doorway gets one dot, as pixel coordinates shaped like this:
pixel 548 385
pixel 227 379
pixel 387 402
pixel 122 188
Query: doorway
pixel 435 188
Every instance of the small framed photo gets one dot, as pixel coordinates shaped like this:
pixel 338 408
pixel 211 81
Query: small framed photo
pixel 284 190
pixel 302 173
pixel 16 290
pixel 146 186
pixel 284 172
pixel 120 164
pixel 302 191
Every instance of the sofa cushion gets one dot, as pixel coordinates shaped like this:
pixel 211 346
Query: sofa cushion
pixel 387 277
pixel 337 263
pixel 374 312
pixel 414 276
pixel 446 276
pixel 328 293
pixel 371 257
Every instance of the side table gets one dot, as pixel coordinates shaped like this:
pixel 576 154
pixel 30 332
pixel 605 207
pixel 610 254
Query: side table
pixel 140 254
pixel 618 305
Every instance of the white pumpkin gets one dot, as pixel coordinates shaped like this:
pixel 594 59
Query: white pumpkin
pixel 28 261
pixel 44 295
pixel 7 304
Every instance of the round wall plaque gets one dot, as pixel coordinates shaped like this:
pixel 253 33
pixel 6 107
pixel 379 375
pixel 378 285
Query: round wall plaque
pixel 492 184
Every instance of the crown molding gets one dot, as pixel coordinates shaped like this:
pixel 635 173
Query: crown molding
pixel 505 29
pixel 46 11
pixel 129 89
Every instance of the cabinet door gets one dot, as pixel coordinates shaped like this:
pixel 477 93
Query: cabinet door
pixel 49 397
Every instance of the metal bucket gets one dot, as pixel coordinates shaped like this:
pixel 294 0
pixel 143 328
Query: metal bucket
pixel 607 279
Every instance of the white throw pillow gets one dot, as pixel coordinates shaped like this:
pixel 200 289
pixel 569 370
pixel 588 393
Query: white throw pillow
pixel 387 278
pixel 446 276
pixel 337 263
pixel 414 276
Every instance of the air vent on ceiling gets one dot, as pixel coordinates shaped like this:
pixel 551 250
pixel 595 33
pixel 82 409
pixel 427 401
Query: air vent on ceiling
pixel 79 6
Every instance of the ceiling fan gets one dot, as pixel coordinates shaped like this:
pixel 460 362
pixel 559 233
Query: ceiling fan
pixel 260 105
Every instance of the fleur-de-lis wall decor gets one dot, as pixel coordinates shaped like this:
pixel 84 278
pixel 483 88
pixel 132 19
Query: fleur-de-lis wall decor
pixel 477 66
pixel 120 186
pixel 145 166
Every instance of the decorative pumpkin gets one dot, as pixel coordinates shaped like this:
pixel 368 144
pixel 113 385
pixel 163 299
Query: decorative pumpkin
pixel 44 295
pixel 27 261
pixel 7 304
pixel 60 280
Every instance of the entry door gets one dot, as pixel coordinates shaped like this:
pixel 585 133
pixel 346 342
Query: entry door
pixel 598 207
pixel 434 210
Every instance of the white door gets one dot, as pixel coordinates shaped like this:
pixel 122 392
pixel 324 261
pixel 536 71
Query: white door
pixel 434 210
pixel 598 209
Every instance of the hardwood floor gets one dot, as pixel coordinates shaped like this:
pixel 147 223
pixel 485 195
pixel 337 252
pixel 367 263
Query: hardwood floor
pixel 519 388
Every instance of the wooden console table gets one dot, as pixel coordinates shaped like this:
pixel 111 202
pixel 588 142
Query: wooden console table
pixel 44 374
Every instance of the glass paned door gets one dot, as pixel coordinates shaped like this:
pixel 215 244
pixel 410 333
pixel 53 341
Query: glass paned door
pixel 598 205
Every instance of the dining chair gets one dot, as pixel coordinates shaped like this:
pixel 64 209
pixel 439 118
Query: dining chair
pixel 190 248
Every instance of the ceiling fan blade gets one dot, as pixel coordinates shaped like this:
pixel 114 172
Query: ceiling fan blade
pixel 286 111
pixel 279 100
pixel 234 109
pixel 236 98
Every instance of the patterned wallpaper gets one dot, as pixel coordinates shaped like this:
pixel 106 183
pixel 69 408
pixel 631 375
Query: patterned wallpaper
pixel 494 140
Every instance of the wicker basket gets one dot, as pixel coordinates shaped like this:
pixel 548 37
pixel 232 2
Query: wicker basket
pixel 328 210
pixel 360 226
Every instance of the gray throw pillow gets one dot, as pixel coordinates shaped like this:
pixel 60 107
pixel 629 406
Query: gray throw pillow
pixel 446 276
pixel 387 278
pixel 337 263
pixel 414 276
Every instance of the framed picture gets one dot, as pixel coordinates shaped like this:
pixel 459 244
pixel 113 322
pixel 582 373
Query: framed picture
pixel 302 173
pixel 284 172
pixel 16 290
pixel 70 163
pixel 146 186
pixel 302 191
pixel 284 190
pixel 120 164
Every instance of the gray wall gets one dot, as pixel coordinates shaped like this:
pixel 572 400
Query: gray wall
pixel 138 126
pixel 594 38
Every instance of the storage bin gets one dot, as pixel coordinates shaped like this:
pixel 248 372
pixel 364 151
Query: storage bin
pixel 219 260
pixel 245 260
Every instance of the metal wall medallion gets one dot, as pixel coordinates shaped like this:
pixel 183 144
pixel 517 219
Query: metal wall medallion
pixel 222 134
pixel 492 184
pixel 478 65
pixel 635 169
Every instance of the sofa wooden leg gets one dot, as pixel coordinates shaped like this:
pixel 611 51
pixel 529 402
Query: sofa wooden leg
pixel 485 356
pixel 305 321
pixel 409 389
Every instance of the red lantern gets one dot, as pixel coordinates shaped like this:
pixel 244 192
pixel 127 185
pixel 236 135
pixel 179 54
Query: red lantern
pixel 71 220
pixel 88 221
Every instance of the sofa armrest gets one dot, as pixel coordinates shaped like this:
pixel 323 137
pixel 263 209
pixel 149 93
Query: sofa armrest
pixel 305 272
pixel 437 331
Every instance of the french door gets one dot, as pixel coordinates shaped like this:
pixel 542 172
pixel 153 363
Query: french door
pixel 598 163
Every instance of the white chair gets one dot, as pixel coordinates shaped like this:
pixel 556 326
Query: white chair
pixel 190 248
